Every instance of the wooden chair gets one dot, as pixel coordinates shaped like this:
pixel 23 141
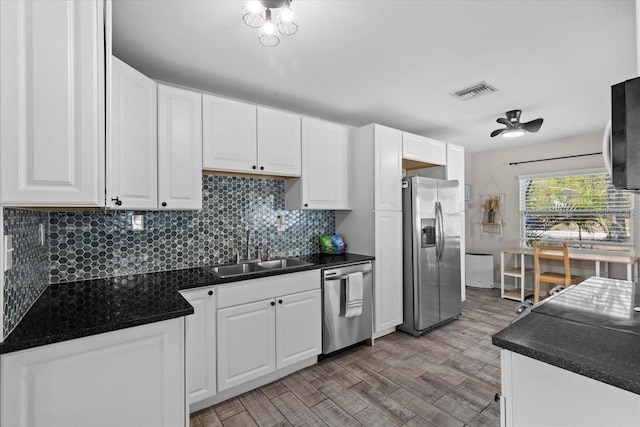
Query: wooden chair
pixel 551 252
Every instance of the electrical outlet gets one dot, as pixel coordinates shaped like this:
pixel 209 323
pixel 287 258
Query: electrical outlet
pixel 137 222
pixel 281 223
pixel 43 234
pixel 8 252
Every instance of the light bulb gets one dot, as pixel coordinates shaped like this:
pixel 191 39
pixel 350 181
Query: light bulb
pixel 268 33
pixel 268 28
pixel 513 133
pixel 252 14
pixel 287 21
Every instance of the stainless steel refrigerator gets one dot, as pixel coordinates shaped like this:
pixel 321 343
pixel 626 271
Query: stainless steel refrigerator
pixel 431 253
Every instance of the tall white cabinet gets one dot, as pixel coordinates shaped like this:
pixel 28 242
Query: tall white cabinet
pixel 455 171
pixel 52 104
pixel 374 227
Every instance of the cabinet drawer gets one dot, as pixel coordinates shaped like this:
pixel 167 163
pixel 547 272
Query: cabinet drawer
pixel 247 291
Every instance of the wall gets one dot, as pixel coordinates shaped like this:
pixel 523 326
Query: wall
pixel 490 172
pixel 29 275
pixel 89 245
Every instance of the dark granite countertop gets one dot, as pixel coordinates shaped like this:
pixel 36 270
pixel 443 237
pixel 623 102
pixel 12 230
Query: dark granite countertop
pixel 583 330
pixel 72 310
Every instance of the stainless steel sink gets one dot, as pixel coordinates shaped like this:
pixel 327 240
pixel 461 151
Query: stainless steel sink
pixel 282 263
pixel 248 268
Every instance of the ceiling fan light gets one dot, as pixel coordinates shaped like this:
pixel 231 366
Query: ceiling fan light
pixel 513 133
pixel 287 22
pixel 268 33
pixel 252 14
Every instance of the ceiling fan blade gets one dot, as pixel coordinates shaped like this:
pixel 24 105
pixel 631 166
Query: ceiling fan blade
pixel 532 126
pixel 497 132
pixel 504 121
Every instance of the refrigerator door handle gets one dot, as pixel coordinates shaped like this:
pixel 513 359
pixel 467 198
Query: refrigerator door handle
pixel 439 234
pixel 442 239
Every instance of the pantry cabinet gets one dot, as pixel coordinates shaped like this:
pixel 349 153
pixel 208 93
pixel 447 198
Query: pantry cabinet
pixel 52 105
pixel 200 338
pixel 374 226
pixel 243 138
pixel 179 149
pixel 131 377
pixel 132 135
pixel 325 179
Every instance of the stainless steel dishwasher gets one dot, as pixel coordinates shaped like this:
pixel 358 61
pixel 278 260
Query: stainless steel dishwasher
pixel 339 331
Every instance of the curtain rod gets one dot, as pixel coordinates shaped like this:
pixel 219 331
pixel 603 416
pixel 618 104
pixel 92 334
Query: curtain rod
pixel 554 158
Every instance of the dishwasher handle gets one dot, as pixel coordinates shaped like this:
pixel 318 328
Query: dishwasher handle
pixel 344 276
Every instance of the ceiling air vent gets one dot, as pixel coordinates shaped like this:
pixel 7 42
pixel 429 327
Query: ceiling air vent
pixel 481 88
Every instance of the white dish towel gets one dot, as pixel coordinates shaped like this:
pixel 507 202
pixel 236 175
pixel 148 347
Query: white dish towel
pixel 353 292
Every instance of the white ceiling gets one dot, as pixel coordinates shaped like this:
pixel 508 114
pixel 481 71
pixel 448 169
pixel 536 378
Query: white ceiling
pixel 396 62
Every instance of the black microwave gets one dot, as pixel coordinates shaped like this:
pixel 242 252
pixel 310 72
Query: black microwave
pixel 625 135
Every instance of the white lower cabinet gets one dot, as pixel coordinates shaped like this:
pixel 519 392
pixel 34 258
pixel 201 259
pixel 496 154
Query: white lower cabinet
pixel 261 337
pixel 298 328
pixel 246 342
pixel 132 377
pixel 528 385
pixel 201 344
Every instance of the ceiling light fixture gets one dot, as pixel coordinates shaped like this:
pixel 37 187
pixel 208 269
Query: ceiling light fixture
pixel 512 133
pixel 257 14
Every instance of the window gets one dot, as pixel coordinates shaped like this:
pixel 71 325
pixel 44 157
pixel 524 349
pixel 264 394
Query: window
pixel 580 208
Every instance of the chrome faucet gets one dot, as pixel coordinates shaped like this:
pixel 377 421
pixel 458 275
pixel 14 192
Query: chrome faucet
pixel 248 244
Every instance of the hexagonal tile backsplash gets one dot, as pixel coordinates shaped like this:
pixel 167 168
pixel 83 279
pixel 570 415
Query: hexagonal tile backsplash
pixel 86 245
pixel 89 245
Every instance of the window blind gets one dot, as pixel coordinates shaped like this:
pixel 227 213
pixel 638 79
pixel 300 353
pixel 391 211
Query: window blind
pixel 583 210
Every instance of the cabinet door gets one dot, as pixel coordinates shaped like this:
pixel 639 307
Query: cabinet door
pixel 388 270
pixel 132 148
pixel 387 168
pixel 52 103
pixel 325 165
pixel 131 377
pixel 228 135
pixel 455 168
pixel 246 342
pixel 423 149
pixel 278 142
pixel 201 344
pixel 298 328
pixel 179 149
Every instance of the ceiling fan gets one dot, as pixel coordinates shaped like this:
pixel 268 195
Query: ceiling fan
pixel 513 126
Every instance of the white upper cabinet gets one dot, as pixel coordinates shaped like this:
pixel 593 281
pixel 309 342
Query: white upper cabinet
pixel 52 103
pixel 422 149
pixel 278 142
pixel 229 135
pixel 179 149
pixel 132 148
pixel 242 138
pixel 455 168
pixel 324 183
pixel 387 169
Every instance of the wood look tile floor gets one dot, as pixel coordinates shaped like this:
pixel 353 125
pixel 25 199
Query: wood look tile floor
pixel 445 378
